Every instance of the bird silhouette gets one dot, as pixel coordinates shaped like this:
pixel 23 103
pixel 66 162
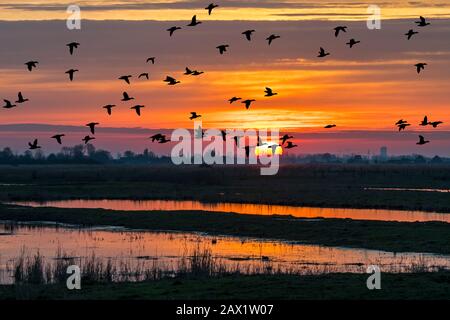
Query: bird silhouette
pixel 410 33
pixel 71 72
pixel 435 124
pixel 194 22
pixel 188 71
pixel 92 125
pixel 234 99
pixel 152 59
pixel 401 121
pixel 420 66
pixel 285 138
pixel 271 38
pixel 269 92
pixel 248 34
pixel 72 45
pixel 109 108
pixel 352 42
pixel 194 115
pixel 58 137
pixel 125 78
pixel 424 122
pixel 173 29
pixel 138 108
pixel 157 137
pixel 171 81
pixel 197 73
pixel 224 135
pixel 330 126
pixel 8 104
pixel 20 98
pixel 290 145
pixel 322 53
pixel 31 64
pixel 126 97
pixel 222 48
pixel 144 75
pixel 423 22
pixel 338 29
pixel 248 103
pixel 34 145
pixel 422 141
pixel 211 7
pixel 403 126
pixel 86 139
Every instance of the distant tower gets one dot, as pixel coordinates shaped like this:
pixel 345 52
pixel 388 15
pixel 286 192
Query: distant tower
pixel 383 153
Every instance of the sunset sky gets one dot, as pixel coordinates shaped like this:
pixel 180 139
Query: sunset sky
pixel 364 90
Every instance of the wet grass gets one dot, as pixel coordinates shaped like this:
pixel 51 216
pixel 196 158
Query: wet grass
pixel 326 185
pixel 423 286
pixel 433 237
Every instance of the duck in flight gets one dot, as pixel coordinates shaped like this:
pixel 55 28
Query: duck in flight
pixel 138 109
pixel 211 7
pixel 31 64
pixel 423 22
pixel 173 29
pixel 71 72
pixel 322 53
pixel 194 115
pixel 197 73
pixel 285 138
pixel 401 121
pixel 402 126
pixel 125 78
pixel 269 92
pixel 72 46
pixel 330 126
pixel 271 38
pixel 91 126
pixel 126 97
pixel 109 108
pixel 144 75
pixel 352 42
pixel 222 48
pixel 157 137
pixel 58 137
pixel 424 122
pixel 34 145
pixel 248 103
pixel 435 123
pixel 410 33
pixel 20 98
pixel 188 71
pixel 163 140
pixel 152 59
pixel 234 99
pixel 248 34
pixel 8 104
pixel 422 141
pixel 420 66
pixel 171 81
pixel 86 139
pixel 338 29
pixel 194 22
pixel 290 145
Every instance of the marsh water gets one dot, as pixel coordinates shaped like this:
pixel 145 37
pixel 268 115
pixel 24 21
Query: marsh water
pixel 139 249
pixel 258 209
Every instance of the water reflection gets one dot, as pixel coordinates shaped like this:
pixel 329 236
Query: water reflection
pixel 259 209
pixel 144 249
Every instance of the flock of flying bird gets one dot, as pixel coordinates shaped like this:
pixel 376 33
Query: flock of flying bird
pixel 160 138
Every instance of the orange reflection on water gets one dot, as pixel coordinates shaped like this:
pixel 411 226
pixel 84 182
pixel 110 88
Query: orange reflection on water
pixel 257 209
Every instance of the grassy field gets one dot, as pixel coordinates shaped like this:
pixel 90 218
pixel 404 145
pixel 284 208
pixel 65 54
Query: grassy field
pixel 308 185
pixel 426 286
pixel 391 236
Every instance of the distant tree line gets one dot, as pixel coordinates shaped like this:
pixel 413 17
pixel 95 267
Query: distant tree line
pixel 79 154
